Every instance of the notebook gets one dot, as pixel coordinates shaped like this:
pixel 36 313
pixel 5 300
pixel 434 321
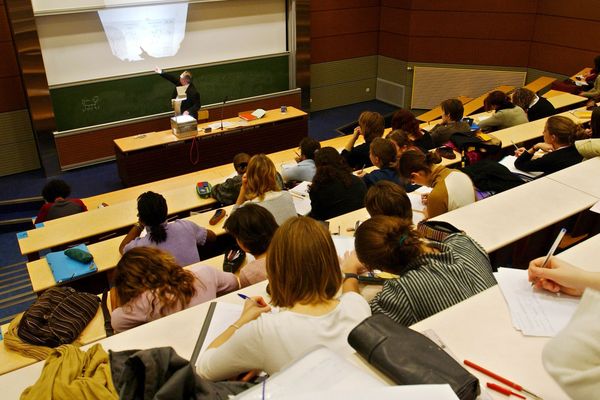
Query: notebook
pixel 66 269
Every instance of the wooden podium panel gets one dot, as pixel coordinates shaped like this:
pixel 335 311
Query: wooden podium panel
pixel 175 157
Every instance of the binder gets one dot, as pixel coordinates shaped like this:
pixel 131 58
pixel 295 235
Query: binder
pixel 65 269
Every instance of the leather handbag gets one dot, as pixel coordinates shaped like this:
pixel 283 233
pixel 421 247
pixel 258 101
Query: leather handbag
pixel 408 357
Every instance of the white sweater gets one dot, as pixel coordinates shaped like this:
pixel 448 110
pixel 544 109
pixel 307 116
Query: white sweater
pixel 275 339
pixel 573 356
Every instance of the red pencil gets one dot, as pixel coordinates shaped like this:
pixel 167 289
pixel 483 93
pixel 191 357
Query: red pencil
pixel 500 379
pixel 503 390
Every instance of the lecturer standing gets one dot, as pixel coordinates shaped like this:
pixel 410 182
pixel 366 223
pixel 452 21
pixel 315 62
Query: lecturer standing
pixel 191 104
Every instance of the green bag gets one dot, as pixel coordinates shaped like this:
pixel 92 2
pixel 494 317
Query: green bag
pixel 79 255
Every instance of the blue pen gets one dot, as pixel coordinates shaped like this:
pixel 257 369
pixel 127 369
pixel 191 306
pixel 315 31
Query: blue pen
pixel 243 296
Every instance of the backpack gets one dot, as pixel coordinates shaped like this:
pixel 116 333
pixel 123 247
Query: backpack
pixel 57 317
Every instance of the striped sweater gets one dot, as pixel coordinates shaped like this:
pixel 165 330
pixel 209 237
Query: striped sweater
pixel 436 281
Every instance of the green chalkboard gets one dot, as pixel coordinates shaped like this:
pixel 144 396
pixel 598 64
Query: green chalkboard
pixel 115 100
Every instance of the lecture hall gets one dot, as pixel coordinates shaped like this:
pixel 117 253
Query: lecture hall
pixel 299 199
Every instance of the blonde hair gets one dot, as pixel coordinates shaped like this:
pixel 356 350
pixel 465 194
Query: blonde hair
pixel 261 177
pixel 563 129
pixel 302 264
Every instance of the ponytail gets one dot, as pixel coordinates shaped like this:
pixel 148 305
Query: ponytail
pixel 414 160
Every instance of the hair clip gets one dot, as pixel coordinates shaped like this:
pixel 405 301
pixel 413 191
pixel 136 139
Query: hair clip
pixel 402 239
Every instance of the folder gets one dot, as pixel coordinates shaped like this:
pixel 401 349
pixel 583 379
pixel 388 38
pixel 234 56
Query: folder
pixel 65 269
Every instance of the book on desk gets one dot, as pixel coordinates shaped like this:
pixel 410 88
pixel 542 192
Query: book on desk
pixel 65 269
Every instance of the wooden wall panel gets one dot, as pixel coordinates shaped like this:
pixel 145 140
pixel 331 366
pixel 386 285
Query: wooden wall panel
pixel 11 94
pixel 480 25
pixel 9 65
pixel 334 48
pixel 580 9
pixel 559 59
pixel 393 45
pixel 469 51
pixel 4 26
pixel 568 32
pixel 320 5
pixel 395 20
pixel 340 22
pixel 343 29
pixel 496 6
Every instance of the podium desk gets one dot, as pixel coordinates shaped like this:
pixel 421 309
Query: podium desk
pixel 160 155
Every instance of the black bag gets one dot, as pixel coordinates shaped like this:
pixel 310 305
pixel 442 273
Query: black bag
pixel 409 358
pixel 57 317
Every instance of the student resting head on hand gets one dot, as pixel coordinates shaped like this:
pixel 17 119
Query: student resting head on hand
pixel 253 227
pixel 304 280
pixel 432 275
pixel 149 284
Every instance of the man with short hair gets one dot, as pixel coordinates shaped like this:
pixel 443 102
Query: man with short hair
pixel 452 114
pixel 191 104
pixel 305 169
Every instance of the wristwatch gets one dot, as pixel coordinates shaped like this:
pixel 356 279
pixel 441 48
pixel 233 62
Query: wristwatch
pixel 348 275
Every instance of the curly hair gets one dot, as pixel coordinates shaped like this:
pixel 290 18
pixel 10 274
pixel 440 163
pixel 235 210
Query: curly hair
pixel 522 97
pixel 55 188
pixel 262 177
pixel 150 269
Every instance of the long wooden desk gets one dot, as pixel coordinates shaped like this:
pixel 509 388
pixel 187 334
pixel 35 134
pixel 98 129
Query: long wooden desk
pixel 502 219
pixel 480 329
pixel 540 83
pixel 157 155
pixel 563 100
pixel 583 177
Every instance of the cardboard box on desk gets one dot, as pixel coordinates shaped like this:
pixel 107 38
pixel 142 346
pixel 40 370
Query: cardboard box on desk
pixel 184 126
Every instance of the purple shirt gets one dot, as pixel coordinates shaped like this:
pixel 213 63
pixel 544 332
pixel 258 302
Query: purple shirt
pixel 209 284
pixel 253 272
pixel 182 240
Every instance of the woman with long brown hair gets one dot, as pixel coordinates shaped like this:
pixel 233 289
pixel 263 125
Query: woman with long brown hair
pixel 560 134
pixel 149 284
pixel 259 185
pixel 304 279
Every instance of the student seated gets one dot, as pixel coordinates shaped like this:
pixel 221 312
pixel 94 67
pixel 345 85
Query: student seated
pixel 383 155
pixel 305 170
pixel 387 198
pixel 560 134
pixel 252 226
pixel 452 189
pixel 259 185
pixel 401 140
pixel 535 106
pixel 149 284
pixel 370 126
pixel 505 115
pixel 572 357
pixel 594 91
pixel 334 190
pixel 433 275
pixel 452 113
pixel 55 194
pixel 406 121
pixel 304 280
pixel 227 192
pixel 180 237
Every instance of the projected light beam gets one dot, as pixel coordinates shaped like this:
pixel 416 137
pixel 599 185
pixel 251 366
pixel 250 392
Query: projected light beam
pixel 138 33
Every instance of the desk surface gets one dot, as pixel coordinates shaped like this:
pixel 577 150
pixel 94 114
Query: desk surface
pixel 139 142
pixel 581 176
pixel 481 331
pixel 540 83
pixel 502 219
pixel 563 99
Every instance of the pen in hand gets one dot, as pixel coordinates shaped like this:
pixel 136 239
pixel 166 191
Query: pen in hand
pixel 561 234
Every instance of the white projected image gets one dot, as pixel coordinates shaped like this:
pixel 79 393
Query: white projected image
pixel 140 33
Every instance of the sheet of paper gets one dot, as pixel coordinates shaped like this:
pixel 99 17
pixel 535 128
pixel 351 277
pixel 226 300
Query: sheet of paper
pixel 417 217
pixel 343 244
pixel 412 392
pixel 423 190
pixel 301 189
pixel 225 314
pixel 509 162
pixel 317 370
pixel 416 202
pixel 226 124
pixel 534 312
pixel 302 205
pixel 596 208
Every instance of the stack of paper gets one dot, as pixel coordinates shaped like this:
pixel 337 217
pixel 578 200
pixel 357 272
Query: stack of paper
pixel 509 162
pixel 534 312
pixel 301 198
